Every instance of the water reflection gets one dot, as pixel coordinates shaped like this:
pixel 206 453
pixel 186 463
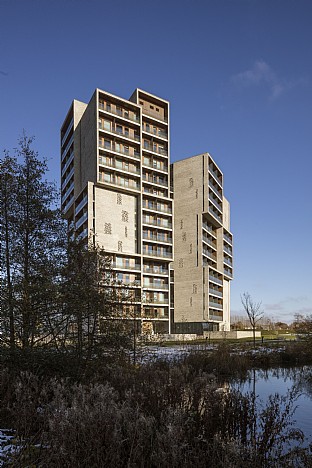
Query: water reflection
pixel 298 380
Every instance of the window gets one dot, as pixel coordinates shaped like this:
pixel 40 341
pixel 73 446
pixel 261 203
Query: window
pixel 107 125
pixel 152 107
pixel 119 128
pixel 157 110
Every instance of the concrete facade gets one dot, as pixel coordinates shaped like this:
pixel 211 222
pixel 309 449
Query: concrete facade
pixel 117 191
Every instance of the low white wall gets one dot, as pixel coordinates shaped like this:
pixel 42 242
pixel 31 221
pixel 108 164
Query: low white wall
pixel 218 335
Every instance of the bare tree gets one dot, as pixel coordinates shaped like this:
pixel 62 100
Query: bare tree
pixel 253 311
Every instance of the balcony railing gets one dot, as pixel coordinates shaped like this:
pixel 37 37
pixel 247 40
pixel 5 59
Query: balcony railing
pixel 215 305
pixel 121 113
pixel 151 164
pixel 215 317
pixel 209 242
pixel 117 266
pixel 83 234
pixel 69 203
pixel 215 202
pixel 156 207
pixel 210 254
pixel 215 214
pixel 228 272
pixel 155 286
pixel 216 175
pixel 157 238
pixel 129 183
pixel 227 238
pixel 68 162
pixel 81 204
pixel 70 188
pixel 67 179
pixel 155 180
pixel 208 228
pixel 157 150
pixel 120 150
pixel 67 147
pixel 227 250
pixel 216 280
pixel 69 128
pixel 157 253
pixel 227 261
pixel 215 191
pixel 159 133
pixel 81 220
pixel 155 270
pixel 158 222
pixel 124 134
pixel 119 167
pixel 215 292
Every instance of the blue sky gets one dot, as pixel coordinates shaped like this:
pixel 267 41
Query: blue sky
pixel 238 74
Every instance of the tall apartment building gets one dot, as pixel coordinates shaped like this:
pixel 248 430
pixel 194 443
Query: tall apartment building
pixel 115 182
pixel 116 187
pixel 203 256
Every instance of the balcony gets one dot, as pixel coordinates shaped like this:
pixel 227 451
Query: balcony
pixel 215 214
pixel 227 238
pixel 68 162
pixel 67 179
pixel 209 242
pixel 157 253
pixel 69 203
pixel 155 270
pixel 157 133
pixel 155 180
pixel 215 292
pixel 227 250
pixel 156 286
pixel 157 222
pixel 215 191
pixel 68 191
pixel 215 279
pixel 119 149
pixel 154 149
pixel 119 166
pixel 210 255
pixel 215 305
pixel 80 205
pixel 228 261
pixel 215 175
pixel 215 202
pixel 153 300
pixel 209 228
pixel 228 272
pixel 83 234
pixel 67 147
pixel 120 182
pixel 157 238
pixel 216 318
pixel 81 220
pixel 69 128
pixel 126 266
pixel 124 134
pixel 147 205
pixel 152 164
pixel 123 113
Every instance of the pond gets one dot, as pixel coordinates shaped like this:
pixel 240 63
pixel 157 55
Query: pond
pixel 269 382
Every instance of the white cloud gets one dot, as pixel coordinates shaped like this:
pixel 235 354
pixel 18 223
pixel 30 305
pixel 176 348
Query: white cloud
pixel 262 74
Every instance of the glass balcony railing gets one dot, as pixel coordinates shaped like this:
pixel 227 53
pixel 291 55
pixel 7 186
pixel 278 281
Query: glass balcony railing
pixel 156 132
pixel 209 228
pixel 157 253
pixel 81 220
pixel 155 270
pixel 69 128
pixel 210 254
pixel 121 133
pixel 209 242
pixel 119 166
pixel 126 266
pixel 68 191
pixel 156 207
pixel 124 113
pixel 228 272
pixel 67 179
pixel 215 174
pixel 157 238
pixel 155 180
pixel 215 305
pixel 227 250
pixel 67 147
pixel 215 292
pixel 227 238
pixel 69 203
pixel 155 286
pixel 157 222
pixel 132 152
pixel 215 190
pixel 215 202
pixel 154 149
pixel 157 167
pixel 67 164
pixel 215 214
pixel 227 261
pixel 215 279
pixel 81 204
pixel 217 318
